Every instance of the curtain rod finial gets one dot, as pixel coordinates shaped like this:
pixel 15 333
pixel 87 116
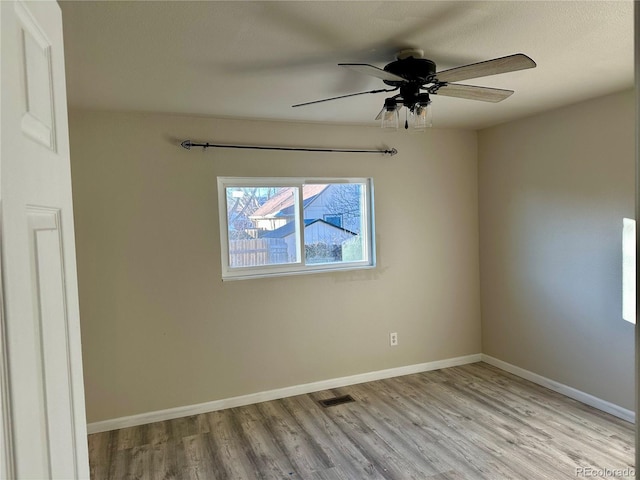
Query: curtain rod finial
pixel 186 144
pixel 391 152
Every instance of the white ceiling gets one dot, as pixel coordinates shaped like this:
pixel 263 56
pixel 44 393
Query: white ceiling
pixel 245 59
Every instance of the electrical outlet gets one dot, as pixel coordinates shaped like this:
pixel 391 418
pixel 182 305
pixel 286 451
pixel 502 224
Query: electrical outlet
pixel 393 339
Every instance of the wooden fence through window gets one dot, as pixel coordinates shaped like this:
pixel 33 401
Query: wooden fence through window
pixel 256 252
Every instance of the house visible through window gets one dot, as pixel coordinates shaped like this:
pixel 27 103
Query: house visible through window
pixel 276 226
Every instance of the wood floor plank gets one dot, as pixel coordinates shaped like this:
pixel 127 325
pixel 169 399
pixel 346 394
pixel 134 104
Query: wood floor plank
pixel 333 473
pixel 523 439
pixel 140 466
pixel 267 457
pixel 414 446
pixel 347 457
pixel 597 430
pixel 100 454
pixel 512 443
pixel 163 463
pixel 424 444
pixel 380 454
pixel 300 448
pixel 184 426
pixel 478 459
pixel 234 453
pixel 471 422
pixel 159 432
pixel 202 462
pixel 130 437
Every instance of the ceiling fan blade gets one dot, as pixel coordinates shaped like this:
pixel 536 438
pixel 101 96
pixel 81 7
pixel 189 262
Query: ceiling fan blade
pixel 373 71
pixel 345 96
pixel 511 63
pixel 472 92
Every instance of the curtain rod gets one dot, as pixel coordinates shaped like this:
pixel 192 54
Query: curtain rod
pixel 188 144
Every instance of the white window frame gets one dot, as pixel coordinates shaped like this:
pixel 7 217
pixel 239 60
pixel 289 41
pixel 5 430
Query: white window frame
pixel 298 268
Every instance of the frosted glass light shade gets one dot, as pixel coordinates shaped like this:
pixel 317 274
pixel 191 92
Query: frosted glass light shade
pixel 390 118
pixel 422 117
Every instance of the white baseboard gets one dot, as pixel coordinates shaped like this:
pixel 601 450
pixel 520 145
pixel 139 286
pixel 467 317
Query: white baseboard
pixel 177 412
pixel 613 409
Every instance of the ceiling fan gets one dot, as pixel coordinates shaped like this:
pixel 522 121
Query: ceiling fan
pixel 416 79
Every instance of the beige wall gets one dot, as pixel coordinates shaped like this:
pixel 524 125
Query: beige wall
pixel 159 327
pixel 553 190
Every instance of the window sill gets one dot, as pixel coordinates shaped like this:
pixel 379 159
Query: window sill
pixel 307 271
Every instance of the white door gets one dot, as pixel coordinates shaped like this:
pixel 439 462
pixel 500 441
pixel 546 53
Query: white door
pixel 42 417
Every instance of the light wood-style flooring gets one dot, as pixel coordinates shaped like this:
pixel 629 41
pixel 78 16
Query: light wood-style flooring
pixel 470 422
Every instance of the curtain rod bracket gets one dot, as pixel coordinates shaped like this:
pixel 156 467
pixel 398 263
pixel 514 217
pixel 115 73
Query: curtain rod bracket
pixel 188 144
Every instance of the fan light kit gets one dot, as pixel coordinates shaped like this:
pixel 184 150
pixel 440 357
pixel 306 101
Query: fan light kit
pixel 416 79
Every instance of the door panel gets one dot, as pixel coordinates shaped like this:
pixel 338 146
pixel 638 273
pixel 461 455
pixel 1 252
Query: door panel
pixel 37 92
pixel 42 416
pixel 50 322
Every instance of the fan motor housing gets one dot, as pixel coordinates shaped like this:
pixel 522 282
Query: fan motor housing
pixel 414 70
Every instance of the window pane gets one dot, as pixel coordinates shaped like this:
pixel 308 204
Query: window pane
pixel 334 219
pixel 629 270
pixel 285 226
pixel 261 225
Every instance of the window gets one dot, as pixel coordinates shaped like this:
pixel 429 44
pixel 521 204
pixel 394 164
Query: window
pixel 334 219
pixel 629 270
pixel 284 226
